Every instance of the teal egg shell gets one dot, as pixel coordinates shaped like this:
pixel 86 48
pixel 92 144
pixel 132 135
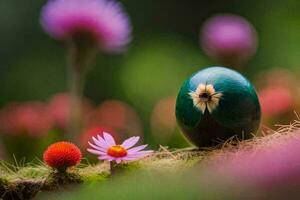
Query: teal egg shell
pixel 237 114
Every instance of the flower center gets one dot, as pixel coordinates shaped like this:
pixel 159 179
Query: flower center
pixel 117 151
pixel 205 97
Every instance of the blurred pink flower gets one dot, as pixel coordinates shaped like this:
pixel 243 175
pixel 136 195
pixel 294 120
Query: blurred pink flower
pixel 163 116
pixel 107 149
pixel 228 38
pixel 163 120
pixel 270 163
pixel 29 118
pixel 276 100
pixel 119 116
pixel 102 21
pixel 59 109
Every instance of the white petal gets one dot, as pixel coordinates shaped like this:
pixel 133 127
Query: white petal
pixel 118 160
pixel 130 142
pixel 200 88
pixel 109 139
pixel 200 105
pixel 211 106
pixel 210 89
pixel 194 95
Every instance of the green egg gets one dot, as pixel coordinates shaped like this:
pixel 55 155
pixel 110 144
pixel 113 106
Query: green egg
pixel 216 104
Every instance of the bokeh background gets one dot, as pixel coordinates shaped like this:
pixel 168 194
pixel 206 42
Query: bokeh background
pixel 134 93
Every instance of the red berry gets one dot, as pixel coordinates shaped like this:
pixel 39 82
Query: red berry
pixel 62 155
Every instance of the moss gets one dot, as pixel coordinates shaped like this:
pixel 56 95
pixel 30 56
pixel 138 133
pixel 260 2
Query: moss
pixel 22 189
pixel 35 172
pixel 94 173
pixel 24 182
pixel 3 186
pixel 57 179
pixel 124 169
pixel 95 177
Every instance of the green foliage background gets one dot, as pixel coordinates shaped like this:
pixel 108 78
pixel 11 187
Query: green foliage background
pixel 164 51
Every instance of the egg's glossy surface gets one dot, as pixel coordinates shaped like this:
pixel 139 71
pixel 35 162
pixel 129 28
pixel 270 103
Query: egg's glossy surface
pixel 236 111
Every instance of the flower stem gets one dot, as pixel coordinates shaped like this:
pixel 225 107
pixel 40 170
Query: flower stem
pixel 113 169
pixel 82 53
pixel 76 94
pixel 117 169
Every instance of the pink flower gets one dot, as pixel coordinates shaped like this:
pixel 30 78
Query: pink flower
pixel 59 109
pixel 30 118
pixel 163 118
pixel 229 39
pixel 276 100
pixel 93 131
pixel 107 149
pixel 101 21
pixel 272 162
pixel 119 116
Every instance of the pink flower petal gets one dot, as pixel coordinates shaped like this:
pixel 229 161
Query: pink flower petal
pixel 97 147
pixel 109 139
pixel 140 153
pixel 103 143
pixel 101 139
pixel 130 142
pixel 96 152
pixel 147 152
pixel 136 156
pixel 106 157
pixel 136 149
pixel 130 158
pixel 104 19
pixel 100 143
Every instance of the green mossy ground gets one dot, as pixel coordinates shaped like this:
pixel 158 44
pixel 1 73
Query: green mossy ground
pixel 24 181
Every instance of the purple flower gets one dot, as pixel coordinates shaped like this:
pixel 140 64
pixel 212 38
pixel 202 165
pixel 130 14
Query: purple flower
pixel 107 149
pixel 229 39
pixel 101 21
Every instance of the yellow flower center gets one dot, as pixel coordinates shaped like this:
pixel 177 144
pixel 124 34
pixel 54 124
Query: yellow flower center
pixel 117 151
